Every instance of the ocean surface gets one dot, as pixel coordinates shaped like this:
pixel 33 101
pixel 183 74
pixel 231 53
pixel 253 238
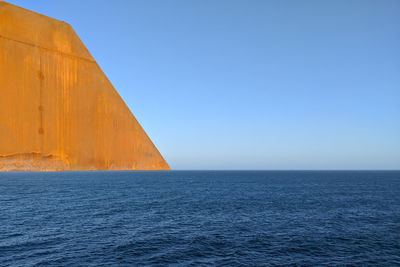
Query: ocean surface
pixel 200 218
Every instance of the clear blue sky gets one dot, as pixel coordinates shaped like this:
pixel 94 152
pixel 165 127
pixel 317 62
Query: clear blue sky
pixel 247 84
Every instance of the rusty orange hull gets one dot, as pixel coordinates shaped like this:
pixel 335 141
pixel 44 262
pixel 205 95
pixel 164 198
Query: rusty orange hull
pixel 58 110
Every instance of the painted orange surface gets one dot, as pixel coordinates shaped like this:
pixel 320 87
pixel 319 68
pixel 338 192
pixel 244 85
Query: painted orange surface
pixel 58 111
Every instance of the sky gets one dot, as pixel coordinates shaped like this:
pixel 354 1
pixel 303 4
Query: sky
pixel 247 84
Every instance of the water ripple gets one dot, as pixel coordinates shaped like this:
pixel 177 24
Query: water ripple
pixel 200 218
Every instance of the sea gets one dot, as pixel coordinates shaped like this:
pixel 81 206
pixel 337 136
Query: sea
pixel 200 218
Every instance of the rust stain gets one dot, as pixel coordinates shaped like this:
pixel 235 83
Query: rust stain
pixel 58 110
pixel 32 162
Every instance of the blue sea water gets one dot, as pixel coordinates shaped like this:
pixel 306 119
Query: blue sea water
pixel 218 218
